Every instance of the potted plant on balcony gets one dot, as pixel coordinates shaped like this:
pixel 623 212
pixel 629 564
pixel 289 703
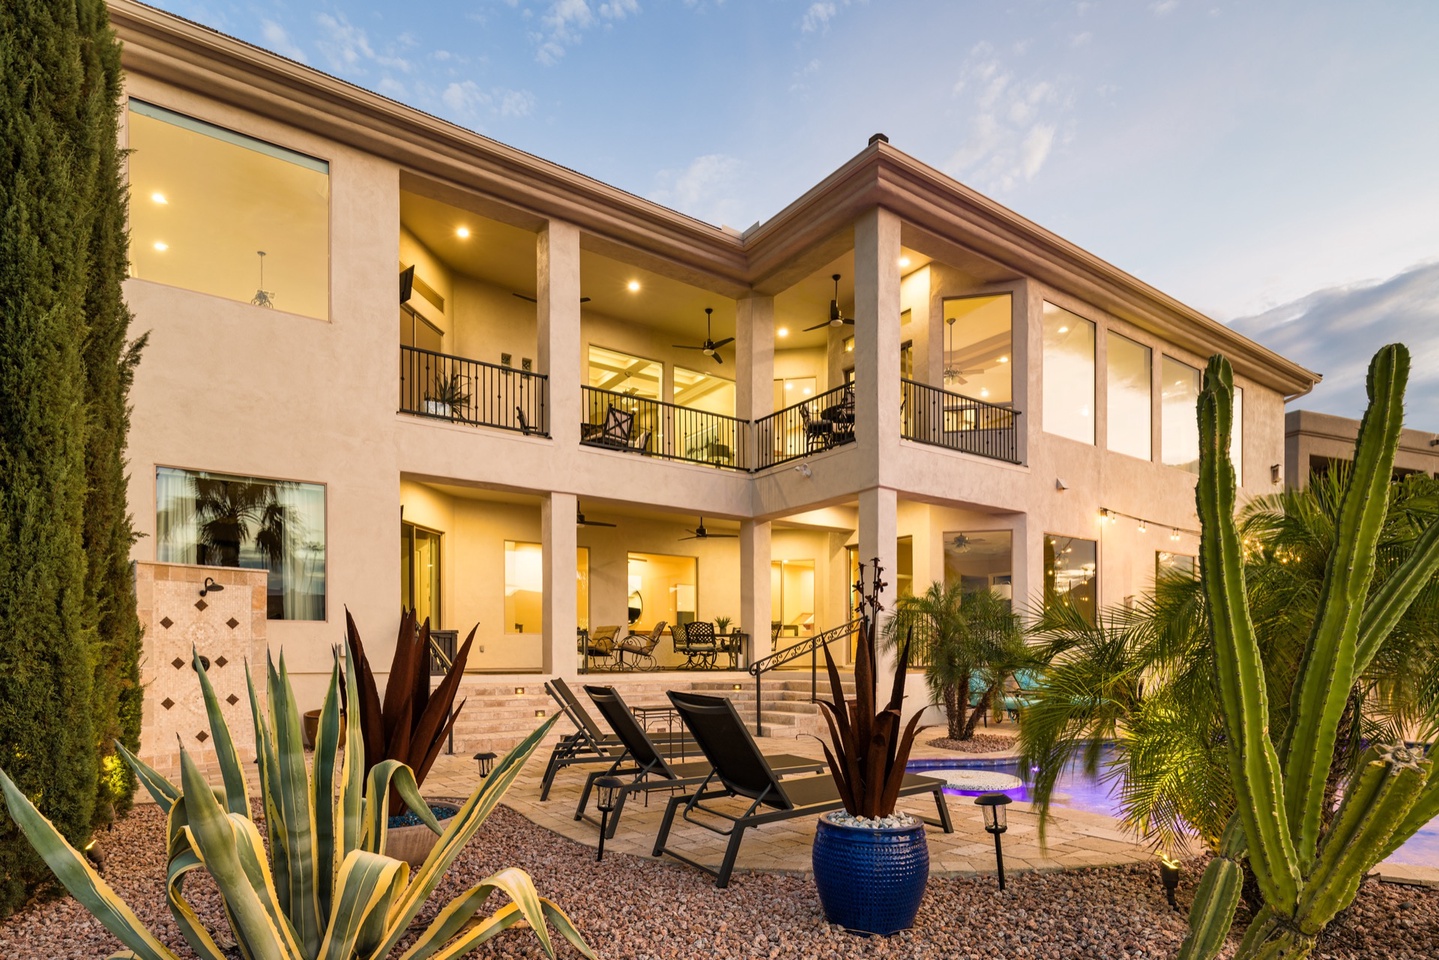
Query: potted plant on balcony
pixel 722 625
pixel 410 726
pixel 871 864
pixel 447 395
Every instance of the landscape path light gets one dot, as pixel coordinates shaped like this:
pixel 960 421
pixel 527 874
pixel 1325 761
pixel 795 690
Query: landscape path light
pixel 486 760
pixel 1169 876
pixel 993 805
pixel 608 789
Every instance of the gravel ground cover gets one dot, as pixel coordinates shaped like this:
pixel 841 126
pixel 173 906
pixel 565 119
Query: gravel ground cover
pixel 979 743
pixel 629 907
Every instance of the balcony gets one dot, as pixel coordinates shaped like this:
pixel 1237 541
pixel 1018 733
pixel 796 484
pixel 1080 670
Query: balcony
pixel 943 419
pixel 666 430
pixel 445 387
pixel 820 423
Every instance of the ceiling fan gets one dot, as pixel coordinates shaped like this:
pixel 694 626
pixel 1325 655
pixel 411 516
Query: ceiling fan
pixel 954 374
pixel 523 296
pixel 580 520
pixel 710 346
pixel 836 317
pixel 962 542
pixel 700 533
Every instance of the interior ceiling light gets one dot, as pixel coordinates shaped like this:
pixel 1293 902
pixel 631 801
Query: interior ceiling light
pixel 1063 329
pixel 161 245
pixel 158 197
pixel 904 262
pixel 463 233
pixel 836 317
pixel 633 286
pixel 782 332
pixel 1003 359
pixel 710 346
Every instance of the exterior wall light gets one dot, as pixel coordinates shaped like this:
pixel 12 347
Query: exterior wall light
pixel 993 805
pixel 210 586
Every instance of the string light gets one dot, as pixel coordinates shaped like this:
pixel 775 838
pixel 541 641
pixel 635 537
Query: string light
pixel 1142 523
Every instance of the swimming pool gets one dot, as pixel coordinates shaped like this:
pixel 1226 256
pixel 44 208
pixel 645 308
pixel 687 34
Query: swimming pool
pixel 1076 790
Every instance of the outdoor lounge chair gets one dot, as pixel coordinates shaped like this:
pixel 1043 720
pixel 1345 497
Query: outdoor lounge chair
pixel 743 772
pixel 640 648
pixel 645 769
pixel 589 743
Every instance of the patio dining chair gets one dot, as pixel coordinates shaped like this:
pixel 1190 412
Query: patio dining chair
pixel 818 434
pixel 640 648
pixel 645 769
pixel 742 773
pixel 697 642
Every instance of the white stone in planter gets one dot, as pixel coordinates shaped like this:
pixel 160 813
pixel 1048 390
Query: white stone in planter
pixel 978 779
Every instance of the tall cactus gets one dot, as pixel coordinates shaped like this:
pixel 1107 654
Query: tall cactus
pixel 1306 872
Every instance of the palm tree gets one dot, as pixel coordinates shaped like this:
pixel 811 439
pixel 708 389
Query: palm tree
pixel 959 636
pixel 1142 679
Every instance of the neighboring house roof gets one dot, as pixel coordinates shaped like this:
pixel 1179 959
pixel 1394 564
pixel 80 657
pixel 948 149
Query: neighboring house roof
pixel 528 190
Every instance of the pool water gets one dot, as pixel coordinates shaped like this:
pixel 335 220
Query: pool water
pixel 1076 790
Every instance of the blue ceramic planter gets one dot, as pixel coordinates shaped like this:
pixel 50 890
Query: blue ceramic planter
pixel 870 881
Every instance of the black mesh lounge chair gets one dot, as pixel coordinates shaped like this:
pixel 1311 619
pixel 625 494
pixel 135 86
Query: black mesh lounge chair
pixel 590 743
pixel 742 772
pixel 645 769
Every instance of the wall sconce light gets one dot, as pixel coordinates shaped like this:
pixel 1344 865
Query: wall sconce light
pixel 210 586
pixel 1143 526
pixel 735 687
pixel 540 712
pixel 486 760
pixel 608 791
pixel 1060 485
pixel 1169 876
pixel 519 691
pixel 993 805
pixel 1174 535
pixel 804 471
pixel 1274 476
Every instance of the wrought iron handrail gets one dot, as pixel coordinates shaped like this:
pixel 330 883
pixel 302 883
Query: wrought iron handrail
pixel 667 430
pixel 821 422
pixel 789 654
pixel 943 419
pixel 472 391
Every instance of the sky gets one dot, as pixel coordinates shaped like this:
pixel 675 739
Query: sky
pixel 1271 164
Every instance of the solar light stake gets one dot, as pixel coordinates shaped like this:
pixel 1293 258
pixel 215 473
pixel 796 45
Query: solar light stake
pixel 1169 876
pixel 608 789
pixel 993 805
pixel 486 760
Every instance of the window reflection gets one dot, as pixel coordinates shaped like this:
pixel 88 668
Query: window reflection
pixel 1130 391
pixel 978 346
pixel 1180 429
pixel 980 560
pixel 1068 374
pixel 1180 565
pixel 1071 572
pixel 211 210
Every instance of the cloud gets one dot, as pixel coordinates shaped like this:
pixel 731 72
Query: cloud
pixel 473 104
pixel 348 50
pixel 1014 122
pixel 709 189
pixel 1162 7
pixel 817 17
pixel 1335 332
pixel 564 23
pixel 1081 39
pixel 278 40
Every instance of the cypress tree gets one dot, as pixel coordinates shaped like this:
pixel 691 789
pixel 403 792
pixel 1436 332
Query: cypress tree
pixel 62 419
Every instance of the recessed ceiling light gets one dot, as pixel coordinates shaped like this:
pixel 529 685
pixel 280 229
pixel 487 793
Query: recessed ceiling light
pixel 903 262
pixel 1063 329
pixel 161 245
pixel 463 233
pixel 789 386
pixel 633 286
pixel 782 332
pixel 1003 359
pixel 158 197
pixel 808 391
pixel 984 391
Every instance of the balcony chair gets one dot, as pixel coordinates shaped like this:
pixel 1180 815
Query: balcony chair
pixel 640 648
pixel 597 644
pixel 697 642
pixel 818 434
pixel 642 443
pixel 617 427
pixel 742 772
pixel 645 769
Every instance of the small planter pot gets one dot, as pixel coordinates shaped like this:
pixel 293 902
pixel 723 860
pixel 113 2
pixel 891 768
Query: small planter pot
pixel 870 880
pixel 310 726
pixel 437 408
pixel 413 844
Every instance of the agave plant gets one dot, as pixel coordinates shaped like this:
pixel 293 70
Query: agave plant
pixel 329 891
pixel 870 748
pixel 412 723
pixel 1307 867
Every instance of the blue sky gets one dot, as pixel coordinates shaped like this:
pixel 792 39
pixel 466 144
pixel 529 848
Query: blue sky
pixel 1247 158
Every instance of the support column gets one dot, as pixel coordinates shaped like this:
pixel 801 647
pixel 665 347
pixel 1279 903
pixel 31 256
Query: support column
pixel 876 340
pixel 878 531
pixel 754 586
pixel 754 357
pixel 557 317
pixel 559 537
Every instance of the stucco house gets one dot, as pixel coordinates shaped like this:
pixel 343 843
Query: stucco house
pixel 393 361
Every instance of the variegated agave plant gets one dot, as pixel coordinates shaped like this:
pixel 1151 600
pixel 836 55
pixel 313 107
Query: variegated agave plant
pixel 330 892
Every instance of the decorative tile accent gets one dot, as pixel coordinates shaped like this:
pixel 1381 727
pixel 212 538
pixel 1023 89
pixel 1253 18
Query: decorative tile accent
pixel 177 663
pixel 220 661
pixel 232 623
pixel 202 736
pixel 201 604
pixel 167 623
pixel 167 703
pixel 232 699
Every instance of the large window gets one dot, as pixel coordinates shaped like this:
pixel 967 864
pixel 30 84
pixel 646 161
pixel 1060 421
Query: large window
pixel 978 343
pixel 219 520
pixel 525 585
pixel 1181 565
pixel 1071 572
pixel 704 391
pixel 791 599
pixel 1068 374
pixel 420 573
pixel 622 373
pixel 221 213
pixel 1236 437
pixel 980 560
pixel 1131 405
pixel 1180 428
pixel 662 587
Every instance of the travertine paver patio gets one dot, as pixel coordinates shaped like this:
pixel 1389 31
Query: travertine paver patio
pixel 1073 838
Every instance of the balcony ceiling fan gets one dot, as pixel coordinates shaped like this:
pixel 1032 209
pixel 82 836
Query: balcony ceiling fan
pixel 836 316
pixel 963 542
pixel 700 533
pixel 954 374
pixel 530 299
pixel 710 346
pixel 580 520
